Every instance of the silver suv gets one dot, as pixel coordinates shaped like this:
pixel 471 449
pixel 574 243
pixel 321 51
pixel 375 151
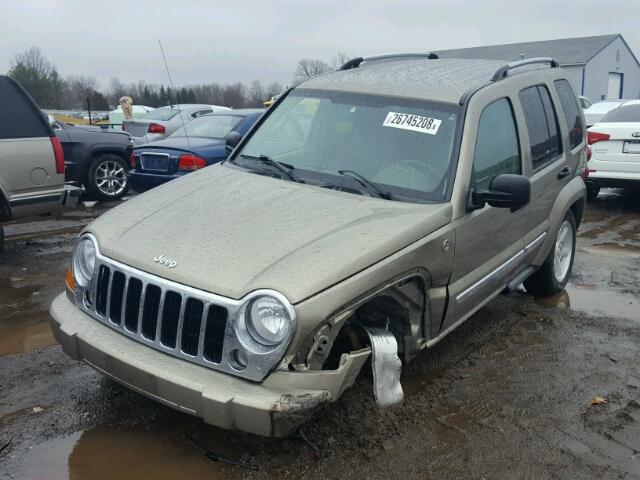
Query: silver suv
pixel 31 159
pixel 368 214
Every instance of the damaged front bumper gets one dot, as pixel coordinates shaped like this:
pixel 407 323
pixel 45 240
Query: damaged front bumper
pixel 275 407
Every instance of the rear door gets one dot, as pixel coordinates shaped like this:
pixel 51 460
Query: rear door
pixel 27 159
pixel 546 160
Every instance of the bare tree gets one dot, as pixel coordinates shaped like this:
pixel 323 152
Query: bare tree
pixel 273 89
pixel 234 95
pixel 116 90
pixel 81 87
pixel 39 77
pixel 308 68
pixel 257 94
pixel 338 60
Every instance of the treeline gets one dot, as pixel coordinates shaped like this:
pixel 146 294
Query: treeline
pixel 50 90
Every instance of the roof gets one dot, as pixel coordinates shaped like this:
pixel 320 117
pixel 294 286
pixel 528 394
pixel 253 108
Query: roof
pixel 568 51
pixel 444 80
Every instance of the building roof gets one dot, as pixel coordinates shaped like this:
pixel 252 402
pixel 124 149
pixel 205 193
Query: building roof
pixel 444 80
pixel 568 51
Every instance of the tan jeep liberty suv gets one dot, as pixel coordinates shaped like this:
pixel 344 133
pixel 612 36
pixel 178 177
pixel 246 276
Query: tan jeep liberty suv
pixel 32 180
pixel 370 212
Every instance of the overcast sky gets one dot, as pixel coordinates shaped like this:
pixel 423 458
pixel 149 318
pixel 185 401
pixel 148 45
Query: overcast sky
pixel 226 41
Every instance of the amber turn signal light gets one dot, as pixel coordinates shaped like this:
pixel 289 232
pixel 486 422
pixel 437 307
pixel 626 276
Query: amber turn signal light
pixel 71 282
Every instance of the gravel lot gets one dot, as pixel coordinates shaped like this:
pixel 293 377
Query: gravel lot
pixel 507 395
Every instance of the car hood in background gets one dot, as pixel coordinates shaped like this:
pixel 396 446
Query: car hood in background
pixel 231 232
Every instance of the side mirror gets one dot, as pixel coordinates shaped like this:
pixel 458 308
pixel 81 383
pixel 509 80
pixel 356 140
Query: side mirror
pixel 232 140
pixel 505 191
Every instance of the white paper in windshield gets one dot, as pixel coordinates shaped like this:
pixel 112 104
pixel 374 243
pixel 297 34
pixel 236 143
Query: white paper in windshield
pixel 416 123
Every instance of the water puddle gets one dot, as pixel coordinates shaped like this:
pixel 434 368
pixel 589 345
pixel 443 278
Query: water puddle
pixel 23 325
pixel 23 336
pixel 596 302
pixel 112 452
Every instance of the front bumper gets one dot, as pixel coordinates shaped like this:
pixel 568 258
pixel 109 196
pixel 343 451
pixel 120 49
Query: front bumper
pixel 275 407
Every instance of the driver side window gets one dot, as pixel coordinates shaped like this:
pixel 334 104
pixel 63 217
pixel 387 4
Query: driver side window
pixel 497 149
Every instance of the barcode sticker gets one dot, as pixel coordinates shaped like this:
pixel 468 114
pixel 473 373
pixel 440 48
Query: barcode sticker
pixel 415 123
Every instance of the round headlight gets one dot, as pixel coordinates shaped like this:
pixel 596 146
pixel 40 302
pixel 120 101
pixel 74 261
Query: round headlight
pixel 268 320
pixel 84 261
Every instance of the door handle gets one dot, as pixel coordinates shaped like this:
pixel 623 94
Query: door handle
pixel 565 172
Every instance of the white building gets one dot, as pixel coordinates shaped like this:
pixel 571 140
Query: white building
pixel 600 67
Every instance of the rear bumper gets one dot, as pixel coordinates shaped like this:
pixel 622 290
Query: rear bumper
pixel 141 182
pixel 275 407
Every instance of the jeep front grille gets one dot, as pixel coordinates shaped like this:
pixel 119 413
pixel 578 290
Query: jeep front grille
pixel 172 319
pixel 188 323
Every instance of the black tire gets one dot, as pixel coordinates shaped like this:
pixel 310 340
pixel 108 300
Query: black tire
pixel 103 169
pixel 545 282
pixel 592 191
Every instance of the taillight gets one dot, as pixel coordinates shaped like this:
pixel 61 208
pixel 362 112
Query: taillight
pixel 589 153
pixel 132 160
pixel 188 162
pixel 59 154
pixel 594 137
pixel 156 128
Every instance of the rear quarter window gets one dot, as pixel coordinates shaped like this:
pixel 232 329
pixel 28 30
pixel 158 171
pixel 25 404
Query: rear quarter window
pixel 20 117
pixel 571 112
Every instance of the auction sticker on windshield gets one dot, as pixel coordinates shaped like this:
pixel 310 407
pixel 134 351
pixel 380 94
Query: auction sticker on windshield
pixel 416 123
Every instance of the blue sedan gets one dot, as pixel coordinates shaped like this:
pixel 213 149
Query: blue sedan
pixel 199 143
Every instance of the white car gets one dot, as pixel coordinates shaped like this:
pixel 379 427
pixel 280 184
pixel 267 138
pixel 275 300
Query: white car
pixel 596 111
pixel 615 149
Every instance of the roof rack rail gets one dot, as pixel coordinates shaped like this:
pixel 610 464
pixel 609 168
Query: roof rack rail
pixel 355 62
pixel 502 72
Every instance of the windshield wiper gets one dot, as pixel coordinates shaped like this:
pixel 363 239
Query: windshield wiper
pixel 371 188
pixel 282 167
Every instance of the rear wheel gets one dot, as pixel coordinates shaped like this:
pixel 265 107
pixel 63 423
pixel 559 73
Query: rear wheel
pixel 107 177
pixel 553 275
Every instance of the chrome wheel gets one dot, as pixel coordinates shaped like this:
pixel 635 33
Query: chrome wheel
pixel 111 178
pixel 563 252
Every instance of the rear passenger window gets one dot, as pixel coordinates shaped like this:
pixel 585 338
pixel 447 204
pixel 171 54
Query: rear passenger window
pixel 542 125
pixel 19 115
pixel 571 112
pixel 497 149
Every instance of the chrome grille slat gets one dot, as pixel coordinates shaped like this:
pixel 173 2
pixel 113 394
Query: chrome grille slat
pixel 203 325
pixel 123 307
pixel 159 316
pixel 143 295
pixel 108 299
pixel 183 305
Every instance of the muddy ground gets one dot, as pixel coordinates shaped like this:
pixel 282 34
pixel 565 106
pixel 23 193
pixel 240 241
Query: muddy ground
pixel 507 395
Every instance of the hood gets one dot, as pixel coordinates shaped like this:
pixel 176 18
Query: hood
pixel 232 232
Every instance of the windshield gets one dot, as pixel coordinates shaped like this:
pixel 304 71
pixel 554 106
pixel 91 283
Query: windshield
pixel 162 114
pixel 209 126
pixel 401 146
pixel 628 113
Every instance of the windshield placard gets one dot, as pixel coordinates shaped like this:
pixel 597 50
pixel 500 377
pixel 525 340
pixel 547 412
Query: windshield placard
pixel 415 123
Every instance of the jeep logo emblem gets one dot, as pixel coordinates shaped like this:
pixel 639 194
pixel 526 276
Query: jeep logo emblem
pixel 162 260
pixel 635 134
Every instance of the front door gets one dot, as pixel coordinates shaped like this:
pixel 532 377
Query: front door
pixel 489 244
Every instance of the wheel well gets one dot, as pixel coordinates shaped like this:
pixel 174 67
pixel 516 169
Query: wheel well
pixel 94 155
pixel 577 209
pixel 400 308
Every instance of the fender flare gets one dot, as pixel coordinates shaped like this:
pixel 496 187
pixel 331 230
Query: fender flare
pixel 573 192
